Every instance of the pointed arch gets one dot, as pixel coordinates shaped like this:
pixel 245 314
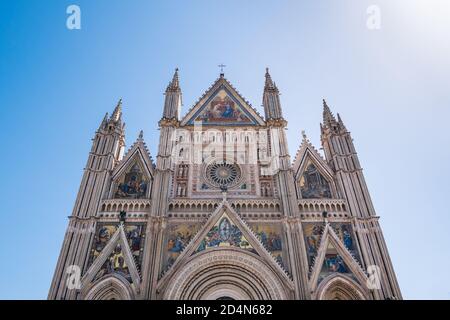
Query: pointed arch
pixel 212 273
pixel 113 287
pixel 340 287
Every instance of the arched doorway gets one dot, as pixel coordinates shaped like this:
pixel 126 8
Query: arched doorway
pixel 113 287
pixel 340 287
pixel 225 273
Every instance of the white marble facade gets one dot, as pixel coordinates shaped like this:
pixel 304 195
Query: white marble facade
pixel 223 212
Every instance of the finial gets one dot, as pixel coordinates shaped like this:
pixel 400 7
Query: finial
pixel 104 121
pixel 221 66
pixel 269 83
pixel 341 123
pixel 141 134
pixel 328 116
pixel 175 83
pixel 304 135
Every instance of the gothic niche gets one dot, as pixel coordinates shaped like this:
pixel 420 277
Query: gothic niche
pixel 133 184
pixel 313 184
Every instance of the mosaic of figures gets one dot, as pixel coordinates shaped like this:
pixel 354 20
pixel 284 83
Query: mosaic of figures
pixel 132 184
pixel 332 263
pixel 312 184
pixel 345 232
pixel 102 236
pixel 178 237
pixel 222 109
pixel 224 234
pixel 313 234
pixel 116 262
pixel 270 236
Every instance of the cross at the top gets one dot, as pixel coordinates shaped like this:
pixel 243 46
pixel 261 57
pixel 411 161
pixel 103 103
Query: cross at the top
pixel 221 66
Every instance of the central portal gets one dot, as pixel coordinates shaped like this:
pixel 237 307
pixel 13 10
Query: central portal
pixel 225 273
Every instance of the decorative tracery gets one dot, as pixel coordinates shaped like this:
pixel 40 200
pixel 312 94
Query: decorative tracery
pixel 223 174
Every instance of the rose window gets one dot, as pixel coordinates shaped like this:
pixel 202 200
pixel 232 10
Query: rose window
pixel 223 174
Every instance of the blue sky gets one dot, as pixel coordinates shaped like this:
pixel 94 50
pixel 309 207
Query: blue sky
pixel 390 86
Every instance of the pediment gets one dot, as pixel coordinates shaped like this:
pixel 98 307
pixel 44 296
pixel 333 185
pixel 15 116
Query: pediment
pixel 222 105
pixel 138 153
pixel 333 257
pixel 314 178
pixel 224 233
pixel 225 229
pixel 132 177
pixel 307 153
pixel 116 257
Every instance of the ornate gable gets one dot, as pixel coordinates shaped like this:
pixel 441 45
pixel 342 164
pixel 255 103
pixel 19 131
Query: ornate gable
pixel 222 105
pixel 117 254
pixel 331 257
pixel 133 175
pixel 225 229
pixel 313 176
pixel 225 233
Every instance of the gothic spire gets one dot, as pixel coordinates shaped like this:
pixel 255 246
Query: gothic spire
pixel 271 99
pixel 340 122
pixel 104 122
pixel 117 113
pixel 172 103
pixel 175 83
pixel 328 117
pixel 269 83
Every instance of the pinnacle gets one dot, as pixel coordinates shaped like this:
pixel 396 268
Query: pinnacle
pixel 104 121
pixel 269 83
pixel 117 113
pixel 304 135
pixel 327 114
pixel 175 83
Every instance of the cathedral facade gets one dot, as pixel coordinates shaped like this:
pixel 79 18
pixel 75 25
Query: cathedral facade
pixel 223 212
